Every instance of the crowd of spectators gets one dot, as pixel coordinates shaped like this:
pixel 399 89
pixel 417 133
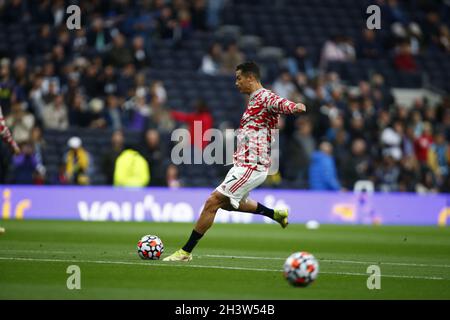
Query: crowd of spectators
pixel 95 78
pixel 352 134
pixel 407 37
pixel 398 147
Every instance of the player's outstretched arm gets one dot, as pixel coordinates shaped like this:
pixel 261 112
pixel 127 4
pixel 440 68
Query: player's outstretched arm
pixel 278 104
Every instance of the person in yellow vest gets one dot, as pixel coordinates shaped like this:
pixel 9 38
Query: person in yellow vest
pixel 131 169
pixel 77 162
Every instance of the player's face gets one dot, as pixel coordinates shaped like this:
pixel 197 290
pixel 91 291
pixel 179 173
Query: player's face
pixel 243 83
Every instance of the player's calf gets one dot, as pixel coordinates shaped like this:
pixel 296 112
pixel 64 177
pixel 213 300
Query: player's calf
pixel 215 201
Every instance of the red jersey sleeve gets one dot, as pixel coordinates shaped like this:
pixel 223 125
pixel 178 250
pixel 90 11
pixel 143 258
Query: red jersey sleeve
pixel 278 104
pixel 5 133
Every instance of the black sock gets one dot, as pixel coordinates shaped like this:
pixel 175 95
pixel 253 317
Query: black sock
pixel 260 209
pixel 192 242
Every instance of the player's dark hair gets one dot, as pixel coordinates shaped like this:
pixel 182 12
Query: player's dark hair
pixel 249 67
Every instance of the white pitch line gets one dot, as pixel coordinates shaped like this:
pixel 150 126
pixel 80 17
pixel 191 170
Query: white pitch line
pixel 257 258
pixel 330 260
pixel 37 251
pixel 155 264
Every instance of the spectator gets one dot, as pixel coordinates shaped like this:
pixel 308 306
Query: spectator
pixel 417 123
pixel 141 21
pixel 167 26
pixel 336 124
pixel 394 12
pixel 382 96
pixel 155 154
pixel 91 81
pixel 55 114
pixel 444 38
pixel 25 165
pixel 158 92
pixel 59 12
pixel 369 47
pixel 78 165
pixel 185 23
pixel 392 138
pixel 161 118
pixel 231 58
pixel 300 148
pixel 119 55
pixel 140 113
pixel 431 28
pixel 79 42
pixel 211 61
pixel 43 43
pixel 113 114
pixel 59 58
pixel 108 81
pixel 284 86
pixel 409 174
pixel 21 72
pixel 198 13
pixel 140 53
pixel 322 170
pixel 404 60
pixel 20 123
pixel 79 115
pixel 341 148
pixel 201 118
pixel 51 84
pixel 356 166
pixel 415 38
pixel 36 98
pixel 39 145
pixel 110 156
pixel 387 174
pixel 131 169
pixel 43 13
pixel 98 37
pixel 172 179
pixel 348 47
pixel 408 142
pixel 300 62
pixel 213 13
pixel 423 143
pixel 96 109
pixel 125 82
pixel 12 11
pixel 428 183
pixel 439 157
pixel 338 48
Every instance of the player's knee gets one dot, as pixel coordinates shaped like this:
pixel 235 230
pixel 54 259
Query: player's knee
pixel 214 202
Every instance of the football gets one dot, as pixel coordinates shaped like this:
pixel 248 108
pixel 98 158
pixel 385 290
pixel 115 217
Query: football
pixel 150 247
pixel 301 269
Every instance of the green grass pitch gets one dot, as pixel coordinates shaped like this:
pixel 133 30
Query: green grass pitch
pixel 233 261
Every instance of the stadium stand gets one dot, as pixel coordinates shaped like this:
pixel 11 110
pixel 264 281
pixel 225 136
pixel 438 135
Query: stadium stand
pixel 107 84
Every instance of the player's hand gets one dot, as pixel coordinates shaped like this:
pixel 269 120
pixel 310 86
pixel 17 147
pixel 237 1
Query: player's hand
pixel 300 107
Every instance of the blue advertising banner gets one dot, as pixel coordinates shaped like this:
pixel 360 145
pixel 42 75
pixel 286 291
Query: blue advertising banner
pixel 185 204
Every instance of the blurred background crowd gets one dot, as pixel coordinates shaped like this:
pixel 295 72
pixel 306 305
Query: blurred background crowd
pixel 96 106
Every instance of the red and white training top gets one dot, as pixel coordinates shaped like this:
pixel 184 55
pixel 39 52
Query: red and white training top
pixel 5 134
pixel 254 135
